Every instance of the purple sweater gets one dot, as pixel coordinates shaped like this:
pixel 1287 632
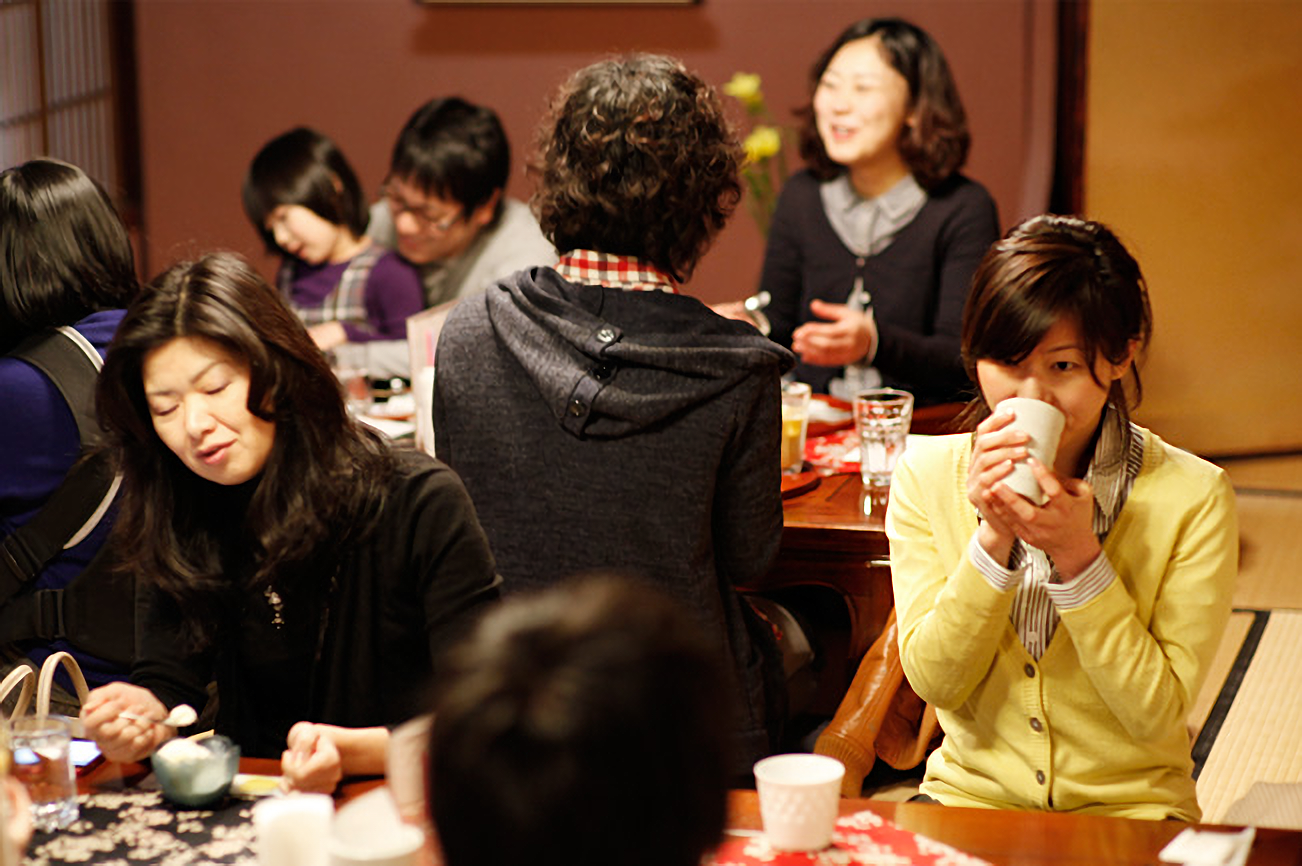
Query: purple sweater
pixel 393 292
pixel 37 447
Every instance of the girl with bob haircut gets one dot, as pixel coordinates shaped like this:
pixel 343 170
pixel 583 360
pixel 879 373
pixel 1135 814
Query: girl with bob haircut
pixel 306 204
pixel 65 263
pixel 872 246
pixel 284 550
pixel 1062 644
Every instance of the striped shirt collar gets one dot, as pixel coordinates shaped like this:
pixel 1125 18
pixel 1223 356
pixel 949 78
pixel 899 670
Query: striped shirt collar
pixel 1113 468
pixel 591 268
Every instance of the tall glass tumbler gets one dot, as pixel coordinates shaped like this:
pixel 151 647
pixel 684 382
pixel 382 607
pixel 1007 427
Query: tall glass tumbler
pixel 795 422
pixel 881 417
pixel 42 755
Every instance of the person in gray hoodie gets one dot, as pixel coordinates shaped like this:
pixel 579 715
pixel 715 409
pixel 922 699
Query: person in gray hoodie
pixel 603 420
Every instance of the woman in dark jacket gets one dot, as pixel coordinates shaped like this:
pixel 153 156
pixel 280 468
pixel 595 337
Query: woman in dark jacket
pixel 285 551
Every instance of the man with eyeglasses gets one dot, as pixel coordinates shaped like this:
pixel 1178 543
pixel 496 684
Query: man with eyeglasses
pixel 443 206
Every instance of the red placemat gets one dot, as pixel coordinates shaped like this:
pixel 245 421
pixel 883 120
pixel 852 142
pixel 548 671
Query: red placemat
pixel 838 452
pixel 861 839
pixel 827 415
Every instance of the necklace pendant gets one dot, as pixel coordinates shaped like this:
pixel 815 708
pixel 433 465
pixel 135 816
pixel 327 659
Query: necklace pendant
pixel 277 606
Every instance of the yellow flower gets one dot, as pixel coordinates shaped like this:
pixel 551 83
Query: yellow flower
pixel 762 143
pixel 745 86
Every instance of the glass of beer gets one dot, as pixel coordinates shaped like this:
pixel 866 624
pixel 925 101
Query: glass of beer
pixel 795 421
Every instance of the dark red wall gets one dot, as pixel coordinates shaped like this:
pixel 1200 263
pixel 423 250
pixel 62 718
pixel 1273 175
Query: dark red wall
pixel 217 79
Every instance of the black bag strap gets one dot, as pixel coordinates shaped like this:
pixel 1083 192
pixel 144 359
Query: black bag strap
pixel 77 505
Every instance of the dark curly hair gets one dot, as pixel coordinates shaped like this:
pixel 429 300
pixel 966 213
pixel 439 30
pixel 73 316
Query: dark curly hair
pixel 937 144
pixel 636 158
pixel 323 484
pixel 1045 269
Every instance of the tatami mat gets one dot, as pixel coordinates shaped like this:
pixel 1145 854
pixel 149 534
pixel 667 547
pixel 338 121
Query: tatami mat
pixel 1260 738
pixel 1270 548
pixel 1235 631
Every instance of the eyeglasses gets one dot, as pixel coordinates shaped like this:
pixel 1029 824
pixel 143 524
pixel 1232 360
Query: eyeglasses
pixel 425 217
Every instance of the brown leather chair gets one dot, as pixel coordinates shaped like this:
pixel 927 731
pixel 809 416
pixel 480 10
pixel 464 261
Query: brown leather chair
pixel 880 717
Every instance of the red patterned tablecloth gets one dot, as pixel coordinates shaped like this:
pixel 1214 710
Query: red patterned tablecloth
pixel 861 839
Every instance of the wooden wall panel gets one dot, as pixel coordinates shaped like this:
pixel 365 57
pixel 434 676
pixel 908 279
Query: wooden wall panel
pixel 1192 153
pixel 217 80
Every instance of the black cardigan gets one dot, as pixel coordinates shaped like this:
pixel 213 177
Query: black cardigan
pixel 919 284
pixel 358 655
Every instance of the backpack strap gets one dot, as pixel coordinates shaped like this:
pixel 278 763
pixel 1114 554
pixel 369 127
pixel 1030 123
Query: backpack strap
pixel 79 503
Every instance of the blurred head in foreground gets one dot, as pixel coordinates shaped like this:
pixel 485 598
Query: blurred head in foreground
pixel 576 718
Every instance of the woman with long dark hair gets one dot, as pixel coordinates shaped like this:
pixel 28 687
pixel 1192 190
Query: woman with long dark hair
pixel 284 550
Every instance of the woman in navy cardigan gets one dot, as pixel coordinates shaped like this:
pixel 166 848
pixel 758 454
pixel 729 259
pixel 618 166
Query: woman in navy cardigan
pixel 873 245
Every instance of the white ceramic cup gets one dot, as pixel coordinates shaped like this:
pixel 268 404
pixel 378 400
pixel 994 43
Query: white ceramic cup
pixel 293 830
pixel 402 847
pixel 1044 424
pixel 798 796
pixel 369 831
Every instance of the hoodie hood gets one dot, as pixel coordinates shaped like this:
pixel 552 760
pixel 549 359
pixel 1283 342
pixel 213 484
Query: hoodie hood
pixel 610 363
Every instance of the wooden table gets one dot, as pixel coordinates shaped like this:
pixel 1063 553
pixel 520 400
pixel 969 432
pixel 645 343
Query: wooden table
pixel 833 569
pixel 1002 837
pixel 1037 838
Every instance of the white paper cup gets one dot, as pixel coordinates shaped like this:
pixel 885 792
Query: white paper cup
pixel 1044 424
pixel 798 797
pixel 293 830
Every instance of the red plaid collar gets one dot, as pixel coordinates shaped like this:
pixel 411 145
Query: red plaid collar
pixel 591 268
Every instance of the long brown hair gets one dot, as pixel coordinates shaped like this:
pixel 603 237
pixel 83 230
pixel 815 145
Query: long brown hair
pixel 323 483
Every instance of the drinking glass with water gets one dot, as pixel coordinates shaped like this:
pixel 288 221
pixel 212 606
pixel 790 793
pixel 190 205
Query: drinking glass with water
pixel 881 417
pixel 42 755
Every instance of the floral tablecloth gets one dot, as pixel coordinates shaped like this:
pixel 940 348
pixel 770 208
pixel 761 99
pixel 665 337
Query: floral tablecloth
pixel 862 839
pixel 136 827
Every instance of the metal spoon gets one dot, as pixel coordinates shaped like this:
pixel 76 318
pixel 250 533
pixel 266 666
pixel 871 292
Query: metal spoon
pixel 181 716
pixel 754 306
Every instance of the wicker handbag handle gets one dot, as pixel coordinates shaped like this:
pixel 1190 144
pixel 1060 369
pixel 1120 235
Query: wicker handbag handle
pixel 25 674
pixel 46 682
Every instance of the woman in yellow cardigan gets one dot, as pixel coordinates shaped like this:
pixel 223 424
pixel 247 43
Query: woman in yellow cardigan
pixel 1061 644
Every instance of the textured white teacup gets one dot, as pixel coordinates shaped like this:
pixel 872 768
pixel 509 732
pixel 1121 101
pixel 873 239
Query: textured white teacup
pixel 798 795
pixel 1044 424
pixel 369 831
pixel 293 830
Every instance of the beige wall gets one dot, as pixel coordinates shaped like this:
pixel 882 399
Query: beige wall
pixel 1194 128
pixel 217 80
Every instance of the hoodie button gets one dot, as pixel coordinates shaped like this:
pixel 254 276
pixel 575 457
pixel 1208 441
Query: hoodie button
pixel 606 335
pixel 578 408
pixel 602 372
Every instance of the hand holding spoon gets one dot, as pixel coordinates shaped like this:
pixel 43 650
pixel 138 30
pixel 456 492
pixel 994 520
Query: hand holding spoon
pixel 181 716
